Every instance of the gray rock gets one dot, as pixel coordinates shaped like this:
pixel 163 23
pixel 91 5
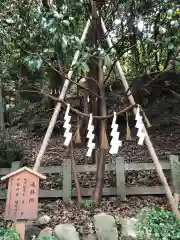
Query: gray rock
pixel 46 232
pixel 91 228
pixel 29 223
pixel 31 231
pixel 66 232
pixel 45 219
pixel 128 228
pixel 90 237
pixel 143 214
pixel 105 226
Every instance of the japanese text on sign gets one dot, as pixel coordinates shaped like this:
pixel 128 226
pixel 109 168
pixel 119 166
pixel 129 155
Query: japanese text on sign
pixel 22 199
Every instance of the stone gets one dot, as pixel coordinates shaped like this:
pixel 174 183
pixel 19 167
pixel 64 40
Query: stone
pixel 128 228
pixel 91 228
pixel 45 219
pixel 90 237
pixel 143 214
pixel 105 227
pixel 66 232
pixel 29 223
pixel 31 231
pixel 46 232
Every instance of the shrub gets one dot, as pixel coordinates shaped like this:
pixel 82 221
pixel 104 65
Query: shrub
pixel 24 114
pixel 31 116
pixel 11 234
pixel 8 233
pixel 10 150
pixel 160 224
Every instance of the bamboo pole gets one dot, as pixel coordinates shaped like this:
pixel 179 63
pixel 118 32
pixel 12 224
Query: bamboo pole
pixel 147 138
pixel 58 106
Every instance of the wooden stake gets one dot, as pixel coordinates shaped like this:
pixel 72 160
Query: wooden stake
pixel 174 160
pixel 20 228
pixel 58 106
pixel 147 139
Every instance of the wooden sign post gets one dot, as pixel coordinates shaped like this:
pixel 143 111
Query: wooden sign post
pixel 22 197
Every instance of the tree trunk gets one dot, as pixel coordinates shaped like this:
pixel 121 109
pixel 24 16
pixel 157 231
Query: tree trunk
pixel 156 33
pixel 93 73
pixel 102 151
pixel 133 38
pixel 1 109
pixel 102 110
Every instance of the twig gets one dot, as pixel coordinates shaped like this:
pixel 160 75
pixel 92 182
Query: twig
pixel 79 85
pixel 79 112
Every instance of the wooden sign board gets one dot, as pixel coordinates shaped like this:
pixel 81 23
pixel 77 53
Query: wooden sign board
pixel 22 197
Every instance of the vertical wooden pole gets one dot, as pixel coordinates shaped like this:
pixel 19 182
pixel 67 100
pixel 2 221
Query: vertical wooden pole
pixel 120 178
pixel 175 173
pixel 93 73
pixel 147 139
pixel 1 108
pixel 20 228
pixel 67 179
pixel 19 225
pixel 73 163
pixel 102 110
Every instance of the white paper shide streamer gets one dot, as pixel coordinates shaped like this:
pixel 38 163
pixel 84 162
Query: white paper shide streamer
pixel 139 126
pixel 90 136
pixel 67 126
pixel 115 142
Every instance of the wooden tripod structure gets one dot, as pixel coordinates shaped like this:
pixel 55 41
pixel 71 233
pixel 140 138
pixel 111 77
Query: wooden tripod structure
pixel 148 142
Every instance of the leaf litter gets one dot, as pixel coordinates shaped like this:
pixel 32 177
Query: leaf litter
pixel 166 141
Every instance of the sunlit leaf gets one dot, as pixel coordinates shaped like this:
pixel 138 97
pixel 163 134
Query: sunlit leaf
pixel 85 67
pixel 32 64
pixel 66 23
pixel 170 12
pixel 38 63
pixel 170 46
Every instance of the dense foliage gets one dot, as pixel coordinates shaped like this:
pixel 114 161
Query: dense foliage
pixel 8 234
pixel 11 234
pixel 10 150
pixel 160 224
pixel 36 38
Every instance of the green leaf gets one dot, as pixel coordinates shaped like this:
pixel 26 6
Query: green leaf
pixel 177 64
pixel 52 29
pixel 66 23
pixel 85 67
pixel 170 46
pixel 38 63
pixel 9 20
pixel 170 12
pixel 32 65
pixel 64 42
